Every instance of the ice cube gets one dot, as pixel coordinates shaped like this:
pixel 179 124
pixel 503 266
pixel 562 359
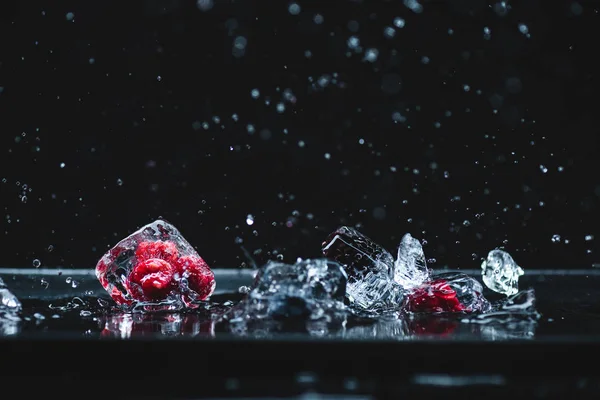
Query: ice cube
pixel 8 301
pixel 155 268
pixel 370 269
pixel 357 253
pixel 500 273
pixel 375 293
pixel 306 295
pixel 410 266
pixel 448 292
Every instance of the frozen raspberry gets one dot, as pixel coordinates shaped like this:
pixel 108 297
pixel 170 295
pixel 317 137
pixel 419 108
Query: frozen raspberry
pixel 164 250
pixel 154 277
pixel 199 276
pixel 156 265
pixel 435 296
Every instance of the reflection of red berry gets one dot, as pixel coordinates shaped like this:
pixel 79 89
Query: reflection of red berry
pixel 154 276
pixel 435 296
pixel 199 276
pixel 433 326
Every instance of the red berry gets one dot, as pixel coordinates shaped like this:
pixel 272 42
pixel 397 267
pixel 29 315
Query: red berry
pixel 435 296
pixel 164 250
pixel 199 276
pixel 153 277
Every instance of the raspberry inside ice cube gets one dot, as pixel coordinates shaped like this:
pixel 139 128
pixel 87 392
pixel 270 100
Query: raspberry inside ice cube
pixel 155 278
pixel 155 264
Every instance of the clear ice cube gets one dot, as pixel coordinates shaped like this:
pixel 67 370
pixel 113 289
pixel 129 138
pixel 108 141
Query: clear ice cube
pixel 501 273
pixel 307 294
pixel 357 253
pixel 370 270
pixel 410 266
pixel 375 294
pixel 155 268
pixel 8 301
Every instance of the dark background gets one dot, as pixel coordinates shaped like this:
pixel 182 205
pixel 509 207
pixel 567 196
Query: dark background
pixel 391 145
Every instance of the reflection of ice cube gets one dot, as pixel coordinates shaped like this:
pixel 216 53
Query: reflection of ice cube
pixel 410 266
pixel 448 292
pixel 500 273
pixel 307 294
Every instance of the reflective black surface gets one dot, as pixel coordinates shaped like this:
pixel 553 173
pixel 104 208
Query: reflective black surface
pixel 186 355
pixel 569 308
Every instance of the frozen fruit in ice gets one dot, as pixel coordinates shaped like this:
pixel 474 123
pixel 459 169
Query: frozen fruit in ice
pixel 164 250
pixel 410 266
pixel 155 264
pixel 501 273
pixel 370 270
pixel 434 296
pixel 448 293
pixel 200 278
pixel 152 277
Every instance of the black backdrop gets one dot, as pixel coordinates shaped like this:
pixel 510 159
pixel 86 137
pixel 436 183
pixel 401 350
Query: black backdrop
pixel 398 118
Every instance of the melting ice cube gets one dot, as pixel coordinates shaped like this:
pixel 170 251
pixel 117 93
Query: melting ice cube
pixel 500 273
pixel 410 266
pixel 307 294
pixel 514 317
pixel 155 268
pixel 370 271
pixel 8 301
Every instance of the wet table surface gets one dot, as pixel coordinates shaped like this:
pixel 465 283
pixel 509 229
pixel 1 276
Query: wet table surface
pixel 523 359
pixel 63 302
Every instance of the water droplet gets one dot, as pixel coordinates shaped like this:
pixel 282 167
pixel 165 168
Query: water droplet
pixel 37 263
pixel 555 238
pixel 294 9
pixel 244 289
pixel 399 22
